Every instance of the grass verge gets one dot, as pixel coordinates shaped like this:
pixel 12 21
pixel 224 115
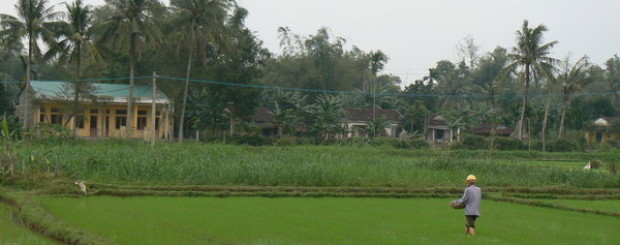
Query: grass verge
pixel 33 216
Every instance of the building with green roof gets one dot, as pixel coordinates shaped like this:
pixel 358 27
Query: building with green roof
pixel 100 109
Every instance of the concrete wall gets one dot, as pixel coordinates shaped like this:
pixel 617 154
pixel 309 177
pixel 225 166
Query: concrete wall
pixel 105 120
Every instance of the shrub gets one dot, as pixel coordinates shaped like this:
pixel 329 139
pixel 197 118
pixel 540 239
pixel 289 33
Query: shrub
pixel 410 144
pixel 562 146
pixel 383 141
pixel 473 142
pixel 287 140
pixel 508 144
pixel 419 144
pixel 50 130
pixel 613 167
pixel 306 141
pixel 253 140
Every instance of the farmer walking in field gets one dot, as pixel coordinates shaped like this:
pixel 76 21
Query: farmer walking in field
pixel 471 202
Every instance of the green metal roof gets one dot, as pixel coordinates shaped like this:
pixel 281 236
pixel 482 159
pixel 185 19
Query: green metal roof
pixel 55 88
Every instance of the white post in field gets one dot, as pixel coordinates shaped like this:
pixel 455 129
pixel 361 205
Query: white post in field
pixel 153 110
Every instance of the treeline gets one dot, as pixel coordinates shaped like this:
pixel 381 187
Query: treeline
pixel 521 87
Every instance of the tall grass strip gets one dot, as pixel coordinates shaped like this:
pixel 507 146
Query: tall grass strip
pixel 37 219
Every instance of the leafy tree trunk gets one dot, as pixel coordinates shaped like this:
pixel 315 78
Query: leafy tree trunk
pixel 76 88
pixel 132 64
pixel 565 101
pixel 544 126
pixel 524 105
pixel 189 70
pixel 27 90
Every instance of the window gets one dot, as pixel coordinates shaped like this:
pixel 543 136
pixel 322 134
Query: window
pixel 121 112
pixel 56 117
pixel 41 117
pixel 142 113
pixel 121 122
pixel 156 123
pixel 141 123
pixel 79 121
pixel 94 111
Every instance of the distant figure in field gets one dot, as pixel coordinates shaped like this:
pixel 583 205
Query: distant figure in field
pixel 471 202
pixel 82 186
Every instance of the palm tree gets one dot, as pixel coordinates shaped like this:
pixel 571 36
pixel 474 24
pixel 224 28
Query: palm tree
pixel 532 56
pixel 377 62
pixel 452 82
pixel 74 39
pixel 200 20
pixel 573 79
pixel 31 23
pixel 612 77
pixel 551 86
pixel 129 26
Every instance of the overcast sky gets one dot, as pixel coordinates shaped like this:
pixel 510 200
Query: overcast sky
pixel 415 34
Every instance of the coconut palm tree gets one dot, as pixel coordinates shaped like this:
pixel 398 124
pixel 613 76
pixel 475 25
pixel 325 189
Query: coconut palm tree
pixel 531 55
pixel 73 41
pixel 130 26
pixel 377 62
pixel 31 23
pixel 572 79
pixel 200 22
pixel 74 37
pixel 551 86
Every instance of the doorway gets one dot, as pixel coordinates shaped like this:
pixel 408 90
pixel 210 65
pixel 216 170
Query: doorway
pixel 93 126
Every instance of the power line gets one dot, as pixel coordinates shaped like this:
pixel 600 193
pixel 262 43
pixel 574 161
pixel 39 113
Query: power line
pixel 267 87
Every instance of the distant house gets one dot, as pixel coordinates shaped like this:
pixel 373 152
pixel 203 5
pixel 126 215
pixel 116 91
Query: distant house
pixel 266 121
pixel 439 131
pixel 488 129
pixel 104 113
pixel 599 132
pixel 356 121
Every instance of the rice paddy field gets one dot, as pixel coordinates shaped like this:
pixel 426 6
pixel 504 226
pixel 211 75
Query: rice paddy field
pixel 603 205
pixel 255 220
pixel 12 232
pixel 224 194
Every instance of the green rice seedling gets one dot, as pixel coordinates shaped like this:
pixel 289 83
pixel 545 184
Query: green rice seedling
pixel 13 231
pixel 255 220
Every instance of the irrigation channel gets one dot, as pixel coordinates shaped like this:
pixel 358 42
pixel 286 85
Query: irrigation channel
pixel 121 214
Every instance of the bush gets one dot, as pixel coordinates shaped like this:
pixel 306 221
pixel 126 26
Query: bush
pixel 473 142
pixel 410 144
pixel 384 141
pixel 253 140
pixel 613 167
pixel 508 144
pixel 287 141
pixel 419 144
pixel 50 130
pixel 359 141
pixel 562 146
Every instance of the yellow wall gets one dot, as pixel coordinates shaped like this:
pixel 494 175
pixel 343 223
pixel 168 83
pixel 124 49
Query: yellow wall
pixel 45 111
pixel 591 136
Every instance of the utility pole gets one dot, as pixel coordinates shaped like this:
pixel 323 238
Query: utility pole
pixel 374 106
pixel 153 110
